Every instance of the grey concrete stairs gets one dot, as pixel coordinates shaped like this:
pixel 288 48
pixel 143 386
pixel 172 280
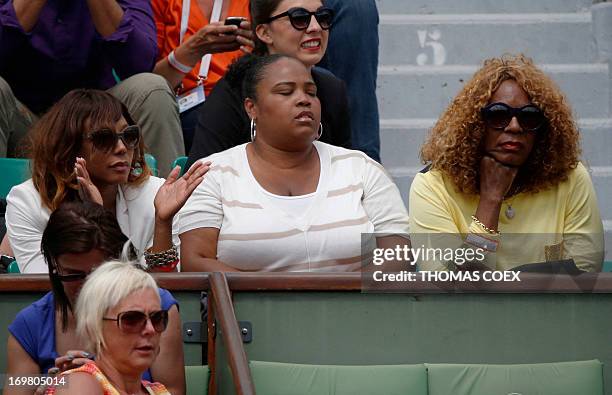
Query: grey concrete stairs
pixel 429 48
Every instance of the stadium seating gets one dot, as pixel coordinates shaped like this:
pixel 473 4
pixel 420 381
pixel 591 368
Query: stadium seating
pixel 180 161
pixel 152 163
pixel 563 378
pixel 14 171
pixel 197 380
pixel 273 378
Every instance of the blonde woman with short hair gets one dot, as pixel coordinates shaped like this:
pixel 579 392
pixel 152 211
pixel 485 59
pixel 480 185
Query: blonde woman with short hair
pixel 119 313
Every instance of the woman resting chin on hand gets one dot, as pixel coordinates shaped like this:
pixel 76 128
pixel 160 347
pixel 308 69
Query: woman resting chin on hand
pixel 505 175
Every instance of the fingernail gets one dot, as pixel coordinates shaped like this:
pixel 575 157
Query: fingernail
pixel 87 355
pixel 53 371
pixel 70 357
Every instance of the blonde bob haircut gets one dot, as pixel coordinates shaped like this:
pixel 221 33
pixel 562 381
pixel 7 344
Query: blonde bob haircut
pixel 104 289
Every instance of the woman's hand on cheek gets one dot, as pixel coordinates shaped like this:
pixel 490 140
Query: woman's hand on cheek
pixel 87 190
pixel 495 178
pixel 176 190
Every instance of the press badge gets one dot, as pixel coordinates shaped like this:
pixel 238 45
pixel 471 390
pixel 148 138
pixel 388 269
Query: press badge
pixel 191 98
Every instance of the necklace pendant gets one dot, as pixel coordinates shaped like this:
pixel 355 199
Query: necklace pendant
pixel 510 212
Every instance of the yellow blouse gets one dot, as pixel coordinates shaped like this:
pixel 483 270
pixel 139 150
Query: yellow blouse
pixel 561 222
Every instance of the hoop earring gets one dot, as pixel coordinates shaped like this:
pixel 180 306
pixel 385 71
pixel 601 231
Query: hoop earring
pixel 320 131
pixel 253 129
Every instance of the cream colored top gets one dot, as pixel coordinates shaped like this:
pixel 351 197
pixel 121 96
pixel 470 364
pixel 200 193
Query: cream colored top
pixel 561 222
pixel 354 200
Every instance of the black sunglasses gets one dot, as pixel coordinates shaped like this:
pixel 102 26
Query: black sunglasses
pixel 300 17
pixel 135 321
pixel 106 139
pixel 499 116
pixel 67 278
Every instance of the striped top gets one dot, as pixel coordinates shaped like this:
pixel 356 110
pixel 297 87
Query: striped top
pixel 355 196
pixel 107 387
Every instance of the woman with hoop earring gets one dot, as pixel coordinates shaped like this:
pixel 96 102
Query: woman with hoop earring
pixel 286 201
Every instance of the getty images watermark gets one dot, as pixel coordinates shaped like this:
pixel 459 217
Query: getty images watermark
pixel 446 265
pixel 436 261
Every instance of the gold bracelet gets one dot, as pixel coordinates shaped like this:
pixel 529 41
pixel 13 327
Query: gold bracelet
pixel 483 226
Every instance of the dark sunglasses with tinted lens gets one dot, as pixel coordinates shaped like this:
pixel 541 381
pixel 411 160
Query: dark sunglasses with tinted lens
pixel 67 278
pixel 135 321
pixel 106 139
pixel 499 116
pixel 300 17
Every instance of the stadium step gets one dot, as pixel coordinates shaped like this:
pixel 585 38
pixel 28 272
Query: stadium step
pixel 469 38
pixel 481 6
pixel 409 91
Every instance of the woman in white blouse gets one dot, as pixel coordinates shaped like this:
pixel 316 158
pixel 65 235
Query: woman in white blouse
pixel 285 201
pixel 88 147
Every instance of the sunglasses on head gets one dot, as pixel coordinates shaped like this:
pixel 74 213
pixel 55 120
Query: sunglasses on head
pixel 106 139
pixel 135 321
pixel 499 116
pixel 300 18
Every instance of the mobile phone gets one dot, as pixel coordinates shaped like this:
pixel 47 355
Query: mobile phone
pixel 234 20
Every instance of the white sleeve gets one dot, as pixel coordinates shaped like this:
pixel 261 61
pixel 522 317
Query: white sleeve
pixel 382 201
pixel 25 225
pixel 204 208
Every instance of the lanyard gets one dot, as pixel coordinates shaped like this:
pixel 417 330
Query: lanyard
pixel 215 16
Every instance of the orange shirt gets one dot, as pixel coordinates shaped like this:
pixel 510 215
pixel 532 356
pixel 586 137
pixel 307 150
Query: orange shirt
pixel 168 22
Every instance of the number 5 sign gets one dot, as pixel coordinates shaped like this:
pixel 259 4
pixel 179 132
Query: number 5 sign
pixel 430 39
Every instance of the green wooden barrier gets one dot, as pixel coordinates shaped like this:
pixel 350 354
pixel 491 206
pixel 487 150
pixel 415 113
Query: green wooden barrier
pixel 326 320
pixel 347 327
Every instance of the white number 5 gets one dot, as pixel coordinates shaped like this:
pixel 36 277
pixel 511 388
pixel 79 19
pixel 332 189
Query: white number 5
pixel 430 39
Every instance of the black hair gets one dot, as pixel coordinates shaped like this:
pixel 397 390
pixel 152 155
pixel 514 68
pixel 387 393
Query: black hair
pixel 76 228
pixel 261 11
pixel 247 72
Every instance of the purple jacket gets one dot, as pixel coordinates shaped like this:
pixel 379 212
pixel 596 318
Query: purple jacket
pixel 64 51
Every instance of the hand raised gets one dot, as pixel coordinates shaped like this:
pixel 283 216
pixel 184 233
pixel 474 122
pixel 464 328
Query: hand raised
pixel 495 178
pixel 87 190
pixel 176 190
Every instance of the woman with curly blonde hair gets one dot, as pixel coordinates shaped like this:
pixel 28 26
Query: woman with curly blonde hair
pixel 504 173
